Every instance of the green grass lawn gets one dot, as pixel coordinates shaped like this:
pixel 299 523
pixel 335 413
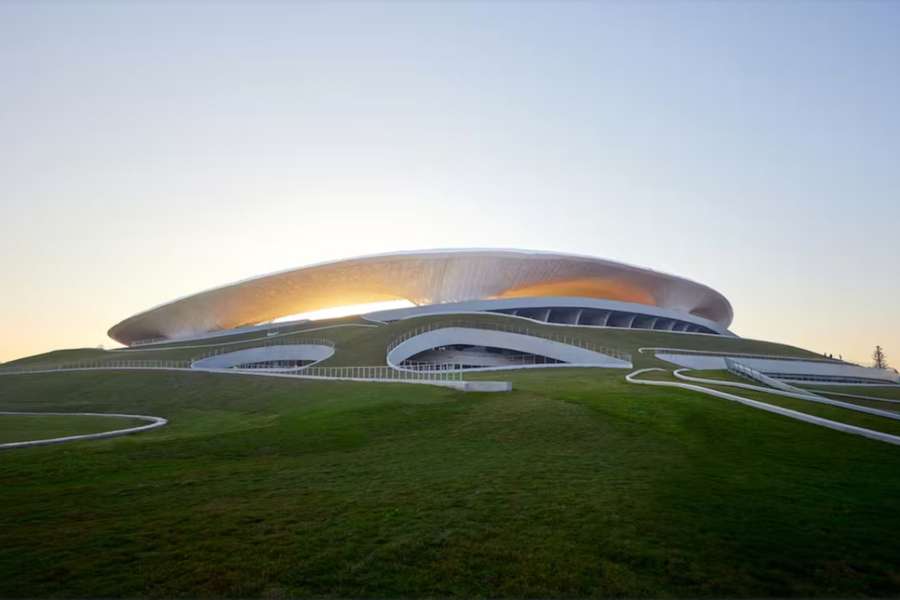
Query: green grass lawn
pixel 575 484
pixel 341 332
pixel 725 376
pixel 827 411
pixel 891 392
pixel 360 345
pixel 19 428
pixel 879 404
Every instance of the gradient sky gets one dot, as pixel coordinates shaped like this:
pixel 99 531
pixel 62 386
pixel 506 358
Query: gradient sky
pixel 149 151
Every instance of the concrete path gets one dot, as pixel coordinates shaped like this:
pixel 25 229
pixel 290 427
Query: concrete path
pixel 857 396
pixel 786 412
pixel 465 386
pixel 153 423
pixel 808 397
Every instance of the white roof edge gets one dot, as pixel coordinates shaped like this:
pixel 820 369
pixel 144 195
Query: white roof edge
pixel 431 251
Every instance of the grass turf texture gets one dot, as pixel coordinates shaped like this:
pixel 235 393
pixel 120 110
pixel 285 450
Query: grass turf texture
pixel 891 392
pixel 827 411
pixel 725 376
pixel 20 428
pixel 879 404
pixel 575 484
pixel 366 345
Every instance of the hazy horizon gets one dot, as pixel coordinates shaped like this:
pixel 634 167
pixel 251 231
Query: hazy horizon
pixel 154 150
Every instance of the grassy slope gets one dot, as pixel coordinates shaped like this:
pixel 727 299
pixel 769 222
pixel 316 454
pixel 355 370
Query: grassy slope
pixel 889 392
pixel 726 376
pixel 884 392
pixel 721 375
pixel 18 428
pixel 835 413
pixel 367 345
pixel 575 484
pixel 260 334
pixel 189 349
pixel 880 405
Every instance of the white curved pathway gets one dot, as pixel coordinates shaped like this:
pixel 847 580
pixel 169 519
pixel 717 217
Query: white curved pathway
pixel 786 412
pixel 857 396
pixel 152 423
pixel 808 397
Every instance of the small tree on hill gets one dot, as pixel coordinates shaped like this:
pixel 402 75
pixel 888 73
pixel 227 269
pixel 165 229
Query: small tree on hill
pixel 879 358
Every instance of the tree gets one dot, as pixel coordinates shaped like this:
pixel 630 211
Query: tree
pixel 879 358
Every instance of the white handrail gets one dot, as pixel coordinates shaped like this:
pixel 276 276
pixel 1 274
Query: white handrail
pixel 362 373
pixel 375 373
pixel 749 355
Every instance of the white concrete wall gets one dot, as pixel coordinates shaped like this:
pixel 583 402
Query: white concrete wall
pixel 501 339
pixel 468 357
pixel 310 352
pixel 693 361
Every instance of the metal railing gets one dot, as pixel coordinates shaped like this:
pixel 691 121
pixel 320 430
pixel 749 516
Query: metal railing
pixel 742 370
pixel 157 364
pixel 570 340
pixel 98 364
pixel 362 373
pixel 749 355
pixel 376 373
pixel 508 362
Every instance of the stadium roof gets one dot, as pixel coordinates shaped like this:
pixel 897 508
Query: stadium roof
pixel 421 277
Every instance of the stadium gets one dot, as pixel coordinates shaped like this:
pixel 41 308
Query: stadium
pixel 490 423
pixel 450 300
pixel 549 287
pixel 559 290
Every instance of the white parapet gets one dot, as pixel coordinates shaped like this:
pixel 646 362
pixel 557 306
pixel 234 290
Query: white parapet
pixel 300 352
pixel 450 336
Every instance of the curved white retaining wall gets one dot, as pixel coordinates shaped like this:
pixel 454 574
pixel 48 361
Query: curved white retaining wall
pixel 787 412
pixel 799 394
pixel 154 422
pixel 859 397
pixel 310 352
pixel 776 366
pixel 449 336
pixel 358 374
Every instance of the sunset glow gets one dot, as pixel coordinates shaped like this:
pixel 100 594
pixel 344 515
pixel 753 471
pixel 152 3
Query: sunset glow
pixel 665 135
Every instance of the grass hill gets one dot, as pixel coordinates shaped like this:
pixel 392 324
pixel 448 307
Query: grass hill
pixel 359 342
pixel 574 484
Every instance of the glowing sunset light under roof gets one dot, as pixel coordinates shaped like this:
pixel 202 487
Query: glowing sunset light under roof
pixel 345 311
pixel 439 279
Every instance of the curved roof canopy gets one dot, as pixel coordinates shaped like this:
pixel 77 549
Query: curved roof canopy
pixel 424 277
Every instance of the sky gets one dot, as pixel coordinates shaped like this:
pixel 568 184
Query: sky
pixel 152 150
